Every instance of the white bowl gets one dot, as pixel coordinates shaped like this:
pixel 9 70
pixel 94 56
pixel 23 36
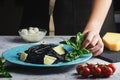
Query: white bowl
pixel 32 36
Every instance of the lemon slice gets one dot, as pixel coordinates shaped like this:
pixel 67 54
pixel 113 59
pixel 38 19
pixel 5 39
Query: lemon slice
pixel 23 56
pixel 48 60
pixel 59 49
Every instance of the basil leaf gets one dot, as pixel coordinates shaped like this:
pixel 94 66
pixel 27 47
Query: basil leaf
pixel 79 40
pixel 77 50
pixel 3 72
pixel 85 51
pixel 73 45
pixel 72 55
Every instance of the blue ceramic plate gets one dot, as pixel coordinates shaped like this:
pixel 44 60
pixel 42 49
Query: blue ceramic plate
pixel 11 56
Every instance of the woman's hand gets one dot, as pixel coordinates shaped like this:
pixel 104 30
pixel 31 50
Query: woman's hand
pixel 93 42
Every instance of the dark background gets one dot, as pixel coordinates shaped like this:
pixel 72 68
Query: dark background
pixel 10 16
pixel 117 5
pixel 11 12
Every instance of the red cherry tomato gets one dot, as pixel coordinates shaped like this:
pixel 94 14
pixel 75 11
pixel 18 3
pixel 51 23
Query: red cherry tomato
pixel 79 68
pixel 101 66
pixel 91 67
pixel 112 66
pixel 107 71
pixel 85 71
pixel 97 72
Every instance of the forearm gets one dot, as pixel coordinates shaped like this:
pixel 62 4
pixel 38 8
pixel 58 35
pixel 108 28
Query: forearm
pixel 98 15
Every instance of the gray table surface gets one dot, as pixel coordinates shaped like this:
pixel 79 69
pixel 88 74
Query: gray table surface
pixel 19 72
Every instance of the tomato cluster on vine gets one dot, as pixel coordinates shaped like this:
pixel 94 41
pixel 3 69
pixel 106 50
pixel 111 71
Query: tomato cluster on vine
pixel 95 70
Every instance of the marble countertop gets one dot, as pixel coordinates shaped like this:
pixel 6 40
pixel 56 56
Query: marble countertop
pixel 19 72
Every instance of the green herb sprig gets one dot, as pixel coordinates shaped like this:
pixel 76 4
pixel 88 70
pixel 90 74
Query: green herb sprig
pixel 3 71
pixel 77 50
